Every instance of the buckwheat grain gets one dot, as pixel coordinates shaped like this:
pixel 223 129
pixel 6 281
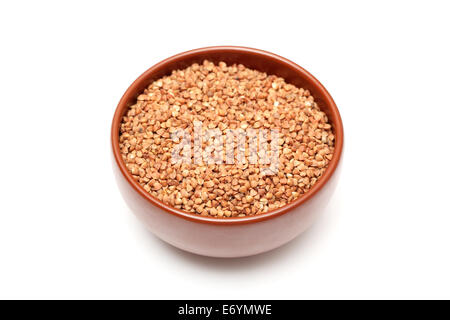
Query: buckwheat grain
pixel 225 97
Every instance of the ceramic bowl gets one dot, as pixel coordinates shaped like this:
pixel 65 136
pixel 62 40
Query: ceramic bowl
pixel 240 236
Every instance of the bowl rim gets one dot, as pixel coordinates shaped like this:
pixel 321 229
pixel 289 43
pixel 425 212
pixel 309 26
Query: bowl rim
pixel 337 126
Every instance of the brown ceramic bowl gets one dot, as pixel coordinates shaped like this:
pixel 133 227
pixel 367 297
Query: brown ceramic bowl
pixel 240 236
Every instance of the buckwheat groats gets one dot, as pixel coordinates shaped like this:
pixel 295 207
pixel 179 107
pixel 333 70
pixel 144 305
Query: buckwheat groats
pixel 221 98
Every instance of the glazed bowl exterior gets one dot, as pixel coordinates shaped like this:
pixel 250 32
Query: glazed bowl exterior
pixel 240 236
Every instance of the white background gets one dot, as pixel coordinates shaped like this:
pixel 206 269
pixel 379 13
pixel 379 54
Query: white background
pixel 65 231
